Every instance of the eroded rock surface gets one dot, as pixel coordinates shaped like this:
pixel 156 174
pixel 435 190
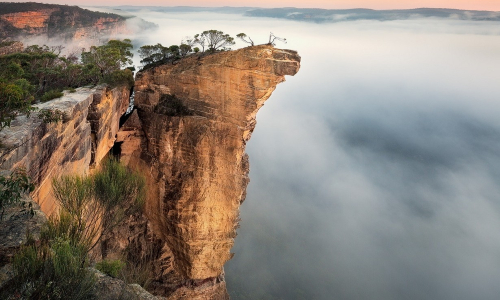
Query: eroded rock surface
pixel 51 24
pixel 65 148
pixel 188 138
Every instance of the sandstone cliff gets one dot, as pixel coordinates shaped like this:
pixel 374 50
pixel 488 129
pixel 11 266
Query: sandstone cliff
pixel 42 23
pixel 70 147
pixel 188 138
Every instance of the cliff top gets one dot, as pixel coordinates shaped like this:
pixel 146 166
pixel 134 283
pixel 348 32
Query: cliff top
pixel 236 58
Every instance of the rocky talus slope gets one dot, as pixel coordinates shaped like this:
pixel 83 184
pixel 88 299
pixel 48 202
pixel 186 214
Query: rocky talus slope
pixel 188 138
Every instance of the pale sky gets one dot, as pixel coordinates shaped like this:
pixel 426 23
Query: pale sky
pixel 332 4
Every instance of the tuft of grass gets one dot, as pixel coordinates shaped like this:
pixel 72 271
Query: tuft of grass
pixel 112 268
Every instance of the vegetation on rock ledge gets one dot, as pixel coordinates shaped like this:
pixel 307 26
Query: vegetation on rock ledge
pixel 56 266
pixel 40 73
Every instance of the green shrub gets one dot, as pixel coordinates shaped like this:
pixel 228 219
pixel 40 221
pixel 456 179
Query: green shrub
pixel 51 269
pixel 52 94
pixel 80 213
pixel 119 77
pixel 100 202
pixel 56 266
pixel 13 188
pixel 51 115
pixel 15 96
pixel 112 268
pixel 116 185
pixel 69 228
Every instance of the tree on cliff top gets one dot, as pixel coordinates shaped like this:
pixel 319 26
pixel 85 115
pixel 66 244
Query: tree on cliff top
pixel 245 38
pixel 152 54
pixel 273 39
pixel 214 40
pixel 109 57
pixel 103 64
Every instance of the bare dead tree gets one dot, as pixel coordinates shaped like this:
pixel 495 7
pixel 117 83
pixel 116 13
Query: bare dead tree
pixel 273 39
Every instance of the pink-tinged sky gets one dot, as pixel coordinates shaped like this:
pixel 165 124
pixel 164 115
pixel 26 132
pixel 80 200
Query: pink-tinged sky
pixel 339 4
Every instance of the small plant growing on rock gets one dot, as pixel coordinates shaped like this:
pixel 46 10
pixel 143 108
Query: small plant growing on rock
pixel 112 268
pixel 51 115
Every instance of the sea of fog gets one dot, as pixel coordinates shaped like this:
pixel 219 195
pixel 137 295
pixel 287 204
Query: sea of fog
pixel 375 171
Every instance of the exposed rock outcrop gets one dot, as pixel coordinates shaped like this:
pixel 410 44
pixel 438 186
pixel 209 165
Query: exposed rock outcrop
pixel 10 47
pixel 109 288
pixel 14 226
pixel 61 24
pixel 188 138
pixel 70 147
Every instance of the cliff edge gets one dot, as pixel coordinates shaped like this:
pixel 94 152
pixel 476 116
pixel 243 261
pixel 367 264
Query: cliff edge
pixel 188 138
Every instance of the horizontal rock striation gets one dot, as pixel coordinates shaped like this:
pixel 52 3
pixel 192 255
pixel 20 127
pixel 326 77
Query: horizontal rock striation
pixel 188 138
pixel 70 147
pixel 56 24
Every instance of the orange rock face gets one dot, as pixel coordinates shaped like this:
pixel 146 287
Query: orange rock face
pixel 192 151
pixel 32 21
pixel 58 23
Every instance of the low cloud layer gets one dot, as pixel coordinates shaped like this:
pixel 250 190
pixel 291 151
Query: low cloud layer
pixel 375 170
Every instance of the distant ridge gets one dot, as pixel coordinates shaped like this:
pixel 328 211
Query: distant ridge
pixel 338 15
pixel 51 20
pixel 320 15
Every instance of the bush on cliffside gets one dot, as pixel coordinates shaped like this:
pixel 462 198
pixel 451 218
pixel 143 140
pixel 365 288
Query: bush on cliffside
pixel 100 202
pixel 13 188
pixel 56 266
pixel 112 268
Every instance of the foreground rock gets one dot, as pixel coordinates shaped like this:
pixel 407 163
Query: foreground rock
pixel 188 138
pixel 109 288
pixel 71 147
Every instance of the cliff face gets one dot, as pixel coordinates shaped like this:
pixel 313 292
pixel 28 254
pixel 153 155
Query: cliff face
pixel 59 22
pixel 188 137
pixel 10 47
pixel 70 147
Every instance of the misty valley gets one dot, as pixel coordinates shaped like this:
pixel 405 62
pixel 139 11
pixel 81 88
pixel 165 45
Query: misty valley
pixel 374 171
